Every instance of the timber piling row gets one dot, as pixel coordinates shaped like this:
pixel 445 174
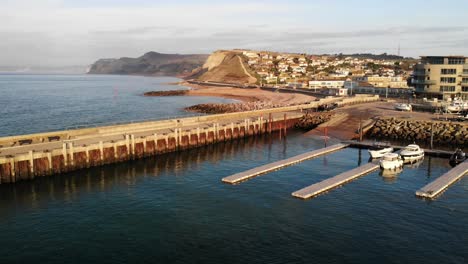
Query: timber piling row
pixel 29 161
pixel 25 157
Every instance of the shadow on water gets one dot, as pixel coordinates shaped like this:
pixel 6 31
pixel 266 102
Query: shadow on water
pixel 68 186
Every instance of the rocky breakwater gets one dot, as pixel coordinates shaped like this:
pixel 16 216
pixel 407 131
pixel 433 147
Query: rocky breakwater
pixel 444 133
pixel 166 93
pixel 235 107
pixel 312 120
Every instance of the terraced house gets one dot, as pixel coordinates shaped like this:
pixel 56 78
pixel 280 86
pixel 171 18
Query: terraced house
pixel 442 76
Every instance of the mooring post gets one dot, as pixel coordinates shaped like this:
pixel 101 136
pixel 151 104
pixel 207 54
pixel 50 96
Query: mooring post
pixel 12 170
pixel 432 135
pixel 116 155
pixel 133 145
pixel 31 162
pixel 87 156
pixel 262 129
pixel 155 135
pixel 49 159
pixel 285 123
pixel 101 151
pixel 180 137
pixel 72 153
pixel 360 129
pixel 64 153
pixel 144 146
pixel 127 144
pixel 270 120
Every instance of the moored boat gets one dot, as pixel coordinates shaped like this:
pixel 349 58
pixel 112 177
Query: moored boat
pixel 378 151
pixel 412 153
pixel 457 157
pixel 403 107
pixel 391 161
pixel 457 106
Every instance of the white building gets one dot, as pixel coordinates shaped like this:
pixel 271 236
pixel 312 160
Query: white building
pixel 382 81
pixel 326 84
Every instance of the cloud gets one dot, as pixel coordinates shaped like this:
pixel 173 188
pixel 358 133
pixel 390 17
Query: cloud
pixel 65 32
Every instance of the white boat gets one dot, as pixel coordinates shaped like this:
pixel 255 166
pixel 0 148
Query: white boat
pixel 377 152
pixel 412 153
pixel 403 107
pixel 457 106
pixel 391 161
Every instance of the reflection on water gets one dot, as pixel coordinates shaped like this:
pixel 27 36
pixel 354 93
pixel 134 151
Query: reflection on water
pixel 415 164
pixel 390 176
pixel 174 208
pixel 68 186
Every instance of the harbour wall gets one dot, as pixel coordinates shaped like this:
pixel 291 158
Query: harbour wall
pixel 69 155
pixel 26 157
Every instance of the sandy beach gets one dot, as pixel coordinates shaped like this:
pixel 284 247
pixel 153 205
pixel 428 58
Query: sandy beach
pixel 247 95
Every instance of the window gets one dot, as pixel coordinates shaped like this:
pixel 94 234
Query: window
pixel 465 71
pixel 448 71
pixel 447 88
pixel 434 60
pixel 465 80
pixel 456 60
pixel 465 89
pixel 448 79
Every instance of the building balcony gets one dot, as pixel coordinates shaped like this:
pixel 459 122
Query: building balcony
pixel 425 82
pixel 420 73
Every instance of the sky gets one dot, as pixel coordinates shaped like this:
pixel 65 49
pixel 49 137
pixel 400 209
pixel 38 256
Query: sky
pixel 78 32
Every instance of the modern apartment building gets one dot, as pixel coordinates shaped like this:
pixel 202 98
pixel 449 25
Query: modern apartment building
pixel 384 82
pixel 442 76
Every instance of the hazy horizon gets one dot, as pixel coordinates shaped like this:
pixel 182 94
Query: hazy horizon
pixel 64 33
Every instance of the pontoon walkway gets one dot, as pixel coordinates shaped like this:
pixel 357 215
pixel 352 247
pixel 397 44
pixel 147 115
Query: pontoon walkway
pixel 436 187
pixel 333 182
pixel 242 176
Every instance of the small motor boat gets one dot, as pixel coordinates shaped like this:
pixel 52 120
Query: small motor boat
pixel 391 161
pixel 378 151
pixel 403 107
pixel 457 157
pixel 457 106
pixel 412 153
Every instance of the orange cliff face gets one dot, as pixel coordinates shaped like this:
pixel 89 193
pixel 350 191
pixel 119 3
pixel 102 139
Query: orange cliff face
pixel 227 67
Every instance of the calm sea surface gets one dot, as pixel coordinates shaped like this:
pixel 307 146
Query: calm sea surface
pixel 37 103
pixel 175 209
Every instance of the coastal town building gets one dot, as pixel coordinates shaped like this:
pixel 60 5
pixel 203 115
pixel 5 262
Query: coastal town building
pixel 325 71
pixel 326 84
pixel 442 77
pixel 355 87
pixel 383 81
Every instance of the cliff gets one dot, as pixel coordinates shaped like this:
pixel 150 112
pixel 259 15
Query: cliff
pixel 151 63
pixel 226 66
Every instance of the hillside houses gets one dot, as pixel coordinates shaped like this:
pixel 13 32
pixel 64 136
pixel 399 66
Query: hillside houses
pixel 327 71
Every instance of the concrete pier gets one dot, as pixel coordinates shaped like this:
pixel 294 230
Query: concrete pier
pixel 243 176
pixel 325 185
pixel 436 187
pixel 25 157
pixel 84 148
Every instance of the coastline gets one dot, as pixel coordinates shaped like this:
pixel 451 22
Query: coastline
pixel 246 95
